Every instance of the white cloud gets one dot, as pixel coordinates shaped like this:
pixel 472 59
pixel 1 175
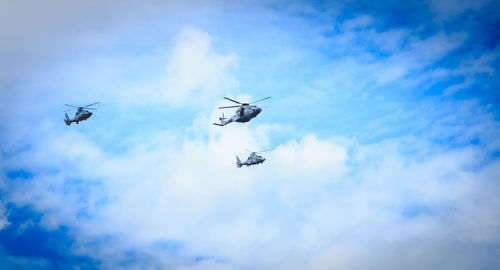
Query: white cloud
pixel 155 194
pixel 315 203
pixel 361 21
pixel 195 71
pixel 311 201
pixel 310 158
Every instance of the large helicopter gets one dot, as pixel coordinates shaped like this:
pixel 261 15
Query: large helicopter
pixel 243 114
pixel 81 113
pixel 253 159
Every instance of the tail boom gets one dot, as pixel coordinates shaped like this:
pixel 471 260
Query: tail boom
pixel 223 121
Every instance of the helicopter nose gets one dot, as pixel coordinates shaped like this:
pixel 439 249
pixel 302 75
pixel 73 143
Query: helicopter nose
pixel 90 114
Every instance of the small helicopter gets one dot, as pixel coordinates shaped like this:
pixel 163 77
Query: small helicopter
pixel 253 159
pixel 81 113
pixel 243 114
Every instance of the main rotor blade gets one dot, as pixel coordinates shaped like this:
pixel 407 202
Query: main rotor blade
pixel 92 104
pixel 225 107
pixel 70 106
pixel 90 108
pixel 259 100
pixel 260 151
pixel 232 100
pixel 67 110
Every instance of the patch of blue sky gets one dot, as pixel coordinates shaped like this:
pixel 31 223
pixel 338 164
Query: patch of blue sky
pixel 119 130
pixel 291 78
pixel 19 174
pixel 12 149
pixel 351 115
pixel 391 14
pixel 132 257
pixel 256 82
pixel 411 211
pixel 24 237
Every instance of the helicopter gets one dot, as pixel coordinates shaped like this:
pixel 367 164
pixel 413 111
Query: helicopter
pixel 243 114
pixel 253 159
pixel 81 113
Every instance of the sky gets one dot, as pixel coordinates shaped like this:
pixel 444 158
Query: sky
pixel 384 124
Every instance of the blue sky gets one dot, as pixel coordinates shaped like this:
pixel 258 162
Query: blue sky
pixel 384 122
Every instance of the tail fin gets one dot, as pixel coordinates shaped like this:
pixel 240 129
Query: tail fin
pixel 238 162
pixel 67 120
pixel 222 121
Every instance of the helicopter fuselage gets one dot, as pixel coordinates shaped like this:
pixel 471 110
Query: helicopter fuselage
pixel 243 114
pixel 246 112
pixel 253 159
pixel 80 115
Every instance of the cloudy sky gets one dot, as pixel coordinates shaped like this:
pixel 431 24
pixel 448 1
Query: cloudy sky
pixel 384 121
